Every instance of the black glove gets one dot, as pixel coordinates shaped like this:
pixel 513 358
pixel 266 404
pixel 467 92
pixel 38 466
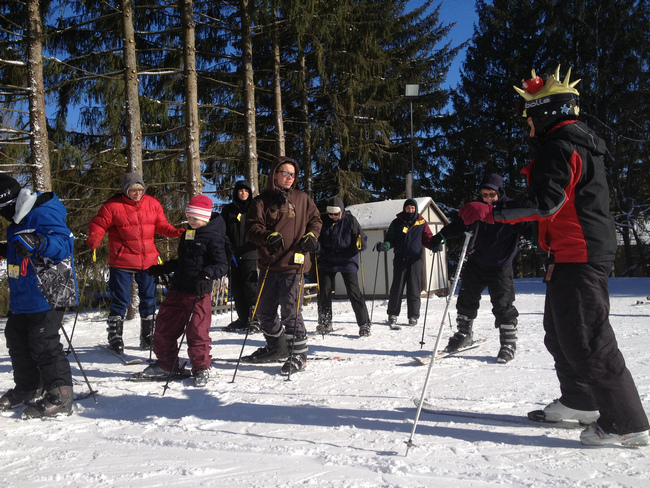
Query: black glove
pixel 162 269
pixel 203 285
pixel 308 243
pixel 436 243
pixel 381 247
pixel 274 242
pixel 157 270
pixel 28 244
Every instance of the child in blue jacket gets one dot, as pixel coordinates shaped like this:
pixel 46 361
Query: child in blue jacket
pixel 42 284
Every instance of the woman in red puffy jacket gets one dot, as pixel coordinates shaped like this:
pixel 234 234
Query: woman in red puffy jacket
pixel 131 218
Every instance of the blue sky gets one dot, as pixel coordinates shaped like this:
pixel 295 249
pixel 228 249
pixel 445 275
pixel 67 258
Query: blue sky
pixel 462 13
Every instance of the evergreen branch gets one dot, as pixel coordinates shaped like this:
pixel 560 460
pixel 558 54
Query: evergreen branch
pixel 12 62
pixel 14 110
pixel 616 134
pixel 161 71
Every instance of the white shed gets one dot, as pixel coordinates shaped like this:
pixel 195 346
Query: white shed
pixel 375 218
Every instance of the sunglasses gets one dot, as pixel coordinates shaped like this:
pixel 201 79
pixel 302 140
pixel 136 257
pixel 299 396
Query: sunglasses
pixel 286 174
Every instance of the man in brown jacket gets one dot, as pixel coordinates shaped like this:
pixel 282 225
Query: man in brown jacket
pixel 285 223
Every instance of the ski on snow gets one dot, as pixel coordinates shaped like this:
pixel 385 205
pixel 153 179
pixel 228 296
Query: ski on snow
pixel 121 357
pixel 424 360
pixel 508 419
pixel 179 376
pixel 539 417
pixel 84 395
pixel 318 333
pixel 476 416
pixel 309 358
pixel 76 397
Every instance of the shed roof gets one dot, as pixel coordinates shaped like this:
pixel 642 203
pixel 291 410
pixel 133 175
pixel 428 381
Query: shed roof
pixel 379 215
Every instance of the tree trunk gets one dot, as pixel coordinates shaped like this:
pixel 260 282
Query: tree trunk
pixel 192 124
pixel 38 123
pixel 306 129
pixel 132 311
pixel 277 86
pixel 133 129
pixel 250 137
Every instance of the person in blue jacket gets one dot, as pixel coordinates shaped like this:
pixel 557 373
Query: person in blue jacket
pixel 488 265
pixel 408 234
pixel 340 242
pixel 42 284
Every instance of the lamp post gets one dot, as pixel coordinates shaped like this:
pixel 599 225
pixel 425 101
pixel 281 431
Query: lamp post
pixel 410 93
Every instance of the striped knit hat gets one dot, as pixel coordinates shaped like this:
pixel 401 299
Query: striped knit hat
pixel 200 207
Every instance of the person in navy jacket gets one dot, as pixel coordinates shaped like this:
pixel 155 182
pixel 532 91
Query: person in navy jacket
pixel 408 234
pixel 340 242
pixel 42 284
pixel 488 265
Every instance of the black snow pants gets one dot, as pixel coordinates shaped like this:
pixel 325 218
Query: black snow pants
pixel 588 363
pixel 500 286
pixel 243 284
pixel 36 352
pixel 409 275
pixel 281 290
pixel 357 300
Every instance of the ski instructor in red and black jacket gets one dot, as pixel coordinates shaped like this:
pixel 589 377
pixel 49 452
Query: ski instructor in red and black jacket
pixel 569 198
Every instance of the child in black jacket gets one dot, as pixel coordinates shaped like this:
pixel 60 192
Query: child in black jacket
pixel 201 259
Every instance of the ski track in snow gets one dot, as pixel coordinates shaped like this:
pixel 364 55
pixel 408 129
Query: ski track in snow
pixel 337 424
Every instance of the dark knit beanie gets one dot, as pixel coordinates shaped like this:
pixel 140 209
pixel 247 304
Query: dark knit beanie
pixel 9 189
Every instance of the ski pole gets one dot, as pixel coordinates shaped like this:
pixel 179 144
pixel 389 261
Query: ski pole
pixel 259 295
pixel 444 280
pixel 374 290
pixel 83 288
pixel 426 307
pixel 319 297
pixel 74 353
pixel 461 261
pixel 180 344
pixel 230 287
pixel 363 278
pixel 295 322
pixel 76 316
pixel 157 282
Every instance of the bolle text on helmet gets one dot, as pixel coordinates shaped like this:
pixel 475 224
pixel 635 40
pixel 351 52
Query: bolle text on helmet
pixel 535 103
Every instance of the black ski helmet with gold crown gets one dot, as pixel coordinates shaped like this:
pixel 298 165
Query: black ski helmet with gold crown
pixel 551 102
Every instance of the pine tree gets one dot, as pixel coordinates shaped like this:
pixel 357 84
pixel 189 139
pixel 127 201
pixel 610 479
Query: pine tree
pixel 484 134
pixel 355 54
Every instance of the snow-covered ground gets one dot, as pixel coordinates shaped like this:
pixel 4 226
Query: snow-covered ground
pixel 341 423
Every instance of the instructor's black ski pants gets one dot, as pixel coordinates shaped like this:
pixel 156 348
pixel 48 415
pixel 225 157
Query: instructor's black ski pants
pixel 588 363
